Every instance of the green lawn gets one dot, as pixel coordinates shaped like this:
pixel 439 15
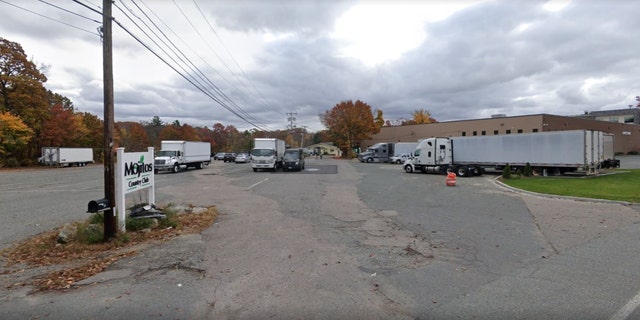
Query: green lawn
pixel 621 185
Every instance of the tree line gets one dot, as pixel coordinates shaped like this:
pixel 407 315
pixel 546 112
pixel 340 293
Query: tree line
pixel 32 117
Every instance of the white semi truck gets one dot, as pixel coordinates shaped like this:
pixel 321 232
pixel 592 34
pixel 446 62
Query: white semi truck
pixel 383 151
pixel 54 156
pixel 267 153
pixel 546 152
pixel 175 155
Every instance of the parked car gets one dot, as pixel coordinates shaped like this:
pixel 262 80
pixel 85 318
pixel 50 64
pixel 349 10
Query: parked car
pixel 293 159
pixel 229 157
pixel 400 158
pixel 242 158
pixel 218 156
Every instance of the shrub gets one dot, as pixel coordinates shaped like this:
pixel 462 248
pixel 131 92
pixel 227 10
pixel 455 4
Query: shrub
pixel 137 224
pixel 506 172
pixel 528 171
pixel 90 234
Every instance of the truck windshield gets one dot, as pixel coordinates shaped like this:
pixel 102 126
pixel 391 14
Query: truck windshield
pixel 262 152
pixel 291 156
pixel 167 153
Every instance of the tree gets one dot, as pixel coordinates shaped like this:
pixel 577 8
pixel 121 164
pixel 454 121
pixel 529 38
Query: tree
pixel 59 129
pixel 132 137
pixel 379 119
pixel 22 91
pixel 14 134
pixel 349 123
pixel 422 116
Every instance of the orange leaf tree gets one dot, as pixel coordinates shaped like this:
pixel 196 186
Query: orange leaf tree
pixel 349 123
pixel 13 134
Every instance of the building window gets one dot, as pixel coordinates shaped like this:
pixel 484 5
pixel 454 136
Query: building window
pixel 464 133
pixel 475 133
pixel 508 132
pixel 629 119
pixel 519 130
pixel 613 119
pixel 484 133
pixel 496 132
pixel 534 130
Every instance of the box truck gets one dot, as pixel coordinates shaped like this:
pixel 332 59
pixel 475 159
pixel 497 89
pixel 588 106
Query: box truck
pixel 175 155
pixel 54 156
pixel 267 153
pixel 383 151
pixel 546 152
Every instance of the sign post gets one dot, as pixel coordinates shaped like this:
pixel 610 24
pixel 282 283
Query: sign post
pixel 135 172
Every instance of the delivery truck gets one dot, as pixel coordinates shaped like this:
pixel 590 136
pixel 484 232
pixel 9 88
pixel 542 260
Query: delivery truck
pixel 383 151
pixel 553 152
pixel 176 155
pixel 55 156
pixel 267 153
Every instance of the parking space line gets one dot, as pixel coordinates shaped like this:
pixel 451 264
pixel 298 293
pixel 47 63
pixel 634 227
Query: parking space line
pixel 257 183
pixel 627 309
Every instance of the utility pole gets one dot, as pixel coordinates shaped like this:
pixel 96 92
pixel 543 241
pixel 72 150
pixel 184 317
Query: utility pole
pixel 109 172
pixel 291 119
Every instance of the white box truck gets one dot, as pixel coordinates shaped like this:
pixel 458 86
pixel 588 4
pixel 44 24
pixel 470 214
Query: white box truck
pixel 546 152
pixel 175 155
pixel 383 151
pixel 267 153
pixel 54 156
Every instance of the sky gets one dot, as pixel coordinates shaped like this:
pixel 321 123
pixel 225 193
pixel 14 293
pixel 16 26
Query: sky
pixel 258 64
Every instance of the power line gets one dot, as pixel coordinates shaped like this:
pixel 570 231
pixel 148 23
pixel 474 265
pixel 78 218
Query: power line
pixel 49 18
pixel 190 65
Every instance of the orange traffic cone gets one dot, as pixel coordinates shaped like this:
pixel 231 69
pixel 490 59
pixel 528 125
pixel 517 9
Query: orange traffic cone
pixel 451 179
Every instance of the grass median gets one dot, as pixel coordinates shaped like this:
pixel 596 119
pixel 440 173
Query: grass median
pixel 618 185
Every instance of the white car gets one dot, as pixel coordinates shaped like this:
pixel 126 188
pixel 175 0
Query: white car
pixel 242 158
pixel 400 158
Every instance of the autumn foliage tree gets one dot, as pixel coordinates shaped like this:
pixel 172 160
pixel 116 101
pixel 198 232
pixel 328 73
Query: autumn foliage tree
pixel 13 135
pixel 422 116
pixel 349 123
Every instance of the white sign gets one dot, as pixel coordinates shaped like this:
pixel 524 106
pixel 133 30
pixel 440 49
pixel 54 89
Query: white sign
pixel 135 172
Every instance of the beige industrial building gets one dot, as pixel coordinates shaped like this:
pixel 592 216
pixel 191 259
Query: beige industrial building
pixel 626 134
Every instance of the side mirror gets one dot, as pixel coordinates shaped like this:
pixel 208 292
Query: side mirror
pixel 98 205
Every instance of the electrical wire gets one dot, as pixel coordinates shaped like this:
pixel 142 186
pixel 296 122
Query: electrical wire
pixel 49 18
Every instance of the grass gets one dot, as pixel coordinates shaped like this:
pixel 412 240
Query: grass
pixel 620 185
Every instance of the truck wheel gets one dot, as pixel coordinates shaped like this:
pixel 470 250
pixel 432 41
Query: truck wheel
pixel 408 168
pixel 255 169
pixel 155 171
pixel 369 160
pixel 200 165
pixel 398 161
pixel 176 168
pixel 461 172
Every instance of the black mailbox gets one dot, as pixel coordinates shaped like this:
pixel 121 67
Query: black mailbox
pixel 98 205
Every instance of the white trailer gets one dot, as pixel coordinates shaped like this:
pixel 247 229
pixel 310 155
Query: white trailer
pixel 175 155
pixel 55 156
pixel 556 151
pixel 267 153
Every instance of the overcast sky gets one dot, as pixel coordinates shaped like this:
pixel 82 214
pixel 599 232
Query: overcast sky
pixel 249 63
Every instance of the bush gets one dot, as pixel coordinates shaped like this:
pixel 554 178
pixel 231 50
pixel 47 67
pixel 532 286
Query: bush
pixel 90 234
pixel 506 172
pixel 137 224
pixel 528 171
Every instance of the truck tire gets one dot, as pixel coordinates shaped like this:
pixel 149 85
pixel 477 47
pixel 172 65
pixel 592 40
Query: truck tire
pixel 255 169
pixel 398 162
pixel 462 171
pixel 155 171
pixel 408 169
pixel 369 160
pixel 200 165
pixel 176 168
